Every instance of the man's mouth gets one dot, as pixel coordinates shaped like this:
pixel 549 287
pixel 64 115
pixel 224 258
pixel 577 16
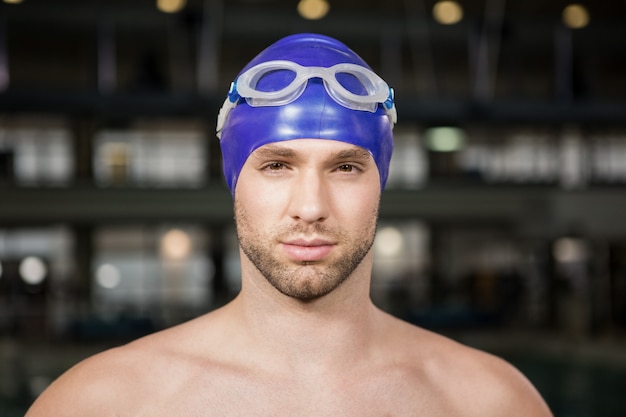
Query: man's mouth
pixel 307 250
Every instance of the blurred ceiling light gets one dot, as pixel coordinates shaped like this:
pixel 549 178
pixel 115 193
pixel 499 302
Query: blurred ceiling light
pixel 171 6
pixel 13 1
pixel 575 16
pixel 175 245
pixel 389 241
pixel 108 276
pixel 313 9
pixel 445 139
pixel 567 250
pixel 33 270
pixel 447 12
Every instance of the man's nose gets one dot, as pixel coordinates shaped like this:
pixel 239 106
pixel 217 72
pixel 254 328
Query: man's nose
pixel 309 197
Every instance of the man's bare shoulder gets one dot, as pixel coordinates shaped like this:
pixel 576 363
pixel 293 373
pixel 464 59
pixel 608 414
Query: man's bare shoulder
pixel 152 366
pixel 90 386
pixel 476 382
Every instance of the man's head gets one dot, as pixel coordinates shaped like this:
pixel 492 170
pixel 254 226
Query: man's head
pixel 306 86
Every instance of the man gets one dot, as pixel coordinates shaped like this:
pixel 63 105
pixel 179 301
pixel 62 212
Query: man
pixel 306 136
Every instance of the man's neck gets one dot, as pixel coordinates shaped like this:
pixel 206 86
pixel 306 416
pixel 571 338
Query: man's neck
pixel 329 332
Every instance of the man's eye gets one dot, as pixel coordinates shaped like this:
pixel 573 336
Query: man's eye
pixel 346 168
pixel 275 166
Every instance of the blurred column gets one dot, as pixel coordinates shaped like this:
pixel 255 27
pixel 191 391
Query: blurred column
pixel 180 55
pixel 600 286
pixel 209 43
pixel 209 46
pixel 83 256
pixel 563 62
pixel 83 135
pixel 420 46
pixel 214 155
pixel 485 54
pixel 391 56
pixel 7 164
pixel 438 256
pixel 218 255
pixel 617 271
pixel 4 57
pixel 107 79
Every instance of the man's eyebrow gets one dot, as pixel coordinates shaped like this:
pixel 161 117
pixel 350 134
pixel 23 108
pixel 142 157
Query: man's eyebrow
pixel 354 153
pixel 272 151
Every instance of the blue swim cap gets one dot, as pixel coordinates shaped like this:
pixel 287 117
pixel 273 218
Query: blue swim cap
pixel 313 115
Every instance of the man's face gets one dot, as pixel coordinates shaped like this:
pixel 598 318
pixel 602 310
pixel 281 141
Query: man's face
pixel 306 213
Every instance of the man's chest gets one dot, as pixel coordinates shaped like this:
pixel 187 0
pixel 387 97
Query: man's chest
pixel 228 395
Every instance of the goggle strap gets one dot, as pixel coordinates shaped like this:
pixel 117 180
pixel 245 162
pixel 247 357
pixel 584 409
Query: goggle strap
pixel 223 114
pixel 233 94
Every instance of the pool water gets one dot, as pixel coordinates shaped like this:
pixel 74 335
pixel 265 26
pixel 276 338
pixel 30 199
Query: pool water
pixel 573 388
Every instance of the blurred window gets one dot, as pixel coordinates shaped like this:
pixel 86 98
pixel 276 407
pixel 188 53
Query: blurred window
pixel 401 256
pixel 149 157
pixel 409 162
pixel 36 155
pixel 159 272
pixel 37 266
pixel 570 158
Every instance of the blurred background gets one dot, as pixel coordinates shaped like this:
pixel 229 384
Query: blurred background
pixel 502 225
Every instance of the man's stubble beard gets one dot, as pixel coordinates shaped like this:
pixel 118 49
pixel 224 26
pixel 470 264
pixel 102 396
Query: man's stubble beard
pixel 305 281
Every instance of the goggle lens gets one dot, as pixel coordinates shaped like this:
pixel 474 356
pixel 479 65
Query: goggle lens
pixel 273 80
pixel 350 82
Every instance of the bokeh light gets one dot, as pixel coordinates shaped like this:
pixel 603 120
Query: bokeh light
pixel 313 9
pixel 171 6
pixel 389 241
pixel 175 245
pixel 568 250
pixel 445 139
pixel 575 16
pixel 33 270
pixel 447 12
pixel 108 276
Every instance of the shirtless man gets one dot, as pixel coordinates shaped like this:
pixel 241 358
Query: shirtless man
pixel 306 167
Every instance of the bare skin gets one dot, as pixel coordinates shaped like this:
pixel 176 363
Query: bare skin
pixel 310 347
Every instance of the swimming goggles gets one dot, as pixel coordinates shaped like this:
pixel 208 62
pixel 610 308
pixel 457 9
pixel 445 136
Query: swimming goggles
pixel 245 86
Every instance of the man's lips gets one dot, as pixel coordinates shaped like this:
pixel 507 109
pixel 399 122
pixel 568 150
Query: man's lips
pixel 304 250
